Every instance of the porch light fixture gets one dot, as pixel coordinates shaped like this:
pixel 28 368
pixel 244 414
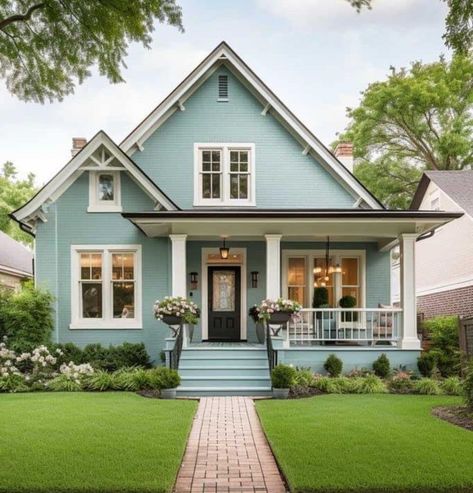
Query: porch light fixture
pixel 323 274
pixel 254 279
pixel 224 251
pixel 194 280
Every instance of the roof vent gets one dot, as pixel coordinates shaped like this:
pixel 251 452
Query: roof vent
pixel 223 87
pixel 77 144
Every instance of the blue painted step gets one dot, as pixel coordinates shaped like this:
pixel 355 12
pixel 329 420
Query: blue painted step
pixel 240 369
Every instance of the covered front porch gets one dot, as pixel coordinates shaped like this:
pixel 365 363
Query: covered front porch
pixel 277 253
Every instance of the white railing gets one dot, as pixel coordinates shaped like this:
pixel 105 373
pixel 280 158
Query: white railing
pixel 367 326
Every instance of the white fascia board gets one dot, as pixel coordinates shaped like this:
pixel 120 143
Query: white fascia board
pixel 205 70
pixel 67 175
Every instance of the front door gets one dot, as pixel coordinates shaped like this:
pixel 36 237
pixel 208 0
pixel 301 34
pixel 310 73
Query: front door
pixel 224 303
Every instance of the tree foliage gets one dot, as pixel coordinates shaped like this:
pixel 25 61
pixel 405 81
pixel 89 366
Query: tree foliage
pixel 13 194
pixel 458 23
pixel 419 118
pixel 46 47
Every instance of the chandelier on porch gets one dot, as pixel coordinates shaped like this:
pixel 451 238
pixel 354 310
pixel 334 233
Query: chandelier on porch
pixel 323 273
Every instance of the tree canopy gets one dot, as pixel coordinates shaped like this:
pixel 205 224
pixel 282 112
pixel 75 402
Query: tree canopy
pixel 458 23
pixel 47 47
pixel 419 118
pixel 14 193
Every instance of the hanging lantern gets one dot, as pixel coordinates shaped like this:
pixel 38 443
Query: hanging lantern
pixel 224 251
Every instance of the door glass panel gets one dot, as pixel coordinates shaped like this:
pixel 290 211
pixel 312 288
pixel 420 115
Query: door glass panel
pixel 223 291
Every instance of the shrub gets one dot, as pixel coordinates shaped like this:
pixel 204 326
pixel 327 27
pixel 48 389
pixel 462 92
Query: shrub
pixel 444 345
pixel 99 381
pixel 62 383
pixel 426 364
pixel 26 317
pixel 401 383
pixel 320 298
pixel 321 383
pixel 13 382
pixel 164 378
pixel 371 384
pixel 70 352
pixel 333 366
pixel 427 386
pixel 282 376
pixel 468 386
pixel 304 377
pixel 381 366
pixel 452 386
pixel 114 358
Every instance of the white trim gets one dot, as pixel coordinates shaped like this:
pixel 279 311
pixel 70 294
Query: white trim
pixel 243 289
pixel 4 269
pixel 164 110
pixel 458 284
pixel 69 173
pixel 336 254
pixel 225 200
pixel 107 322
pixel 178 265
pixel 273 266
pixel 96 205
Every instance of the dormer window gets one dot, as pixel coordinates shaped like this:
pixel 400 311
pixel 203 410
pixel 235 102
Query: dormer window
pixel 222 88
pixel 104 191
pixel 224 175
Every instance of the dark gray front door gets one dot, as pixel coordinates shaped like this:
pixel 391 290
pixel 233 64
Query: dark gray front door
pixel 224 303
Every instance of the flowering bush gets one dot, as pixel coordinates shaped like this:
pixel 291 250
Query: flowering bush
pixel 267 307
pixel 176 306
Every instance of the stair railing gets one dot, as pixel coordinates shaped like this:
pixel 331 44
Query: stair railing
pixel 272 353
pixel 175 353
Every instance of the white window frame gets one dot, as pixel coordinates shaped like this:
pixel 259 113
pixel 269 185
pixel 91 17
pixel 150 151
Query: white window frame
pixel 96 205
pixel 225 199
pixel 107 321
pixel 336 256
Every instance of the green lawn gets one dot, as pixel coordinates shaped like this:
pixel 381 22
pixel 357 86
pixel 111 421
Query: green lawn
pixel 375 443
pixel 91 442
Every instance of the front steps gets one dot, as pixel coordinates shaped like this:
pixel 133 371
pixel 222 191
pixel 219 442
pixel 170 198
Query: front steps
pixel 223 370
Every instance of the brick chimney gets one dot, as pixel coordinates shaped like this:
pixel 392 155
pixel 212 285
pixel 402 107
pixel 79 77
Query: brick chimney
pixel 344 153
pixel 77 144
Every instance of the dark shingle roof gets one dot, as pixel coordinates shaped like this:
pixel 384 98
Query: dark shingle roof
pixel 14 255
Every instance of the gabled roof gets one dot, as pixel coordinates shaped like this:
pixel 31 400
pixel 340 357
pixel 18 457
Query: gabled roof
pixel 458 185
pixel 83 161
pixel 224 54
pixel 15 258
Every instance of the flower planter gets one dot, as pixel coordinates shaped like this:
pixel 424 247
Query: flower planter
pixel 280 393
pixel 172 320
pixel 279 318
pixel 168 393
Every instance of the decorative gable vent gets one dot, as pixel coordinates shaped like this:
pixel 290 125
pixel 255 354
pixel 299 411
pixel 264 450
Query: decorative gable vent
pixel 223 87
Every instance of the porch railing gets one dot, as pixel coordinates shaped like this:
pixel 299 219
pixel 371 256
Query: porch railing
pixel 369 326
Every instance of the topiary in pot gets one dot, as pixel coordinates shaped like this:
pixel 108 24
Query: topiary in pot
pixel 348 302
pixel 381 366
pixel 282 379
pixel 333 366
pixel 320 297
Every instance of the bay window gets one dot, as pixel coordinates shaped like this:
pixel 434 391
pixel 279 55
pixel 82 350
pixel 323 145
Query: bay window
pixel 224 174
pixel 106 290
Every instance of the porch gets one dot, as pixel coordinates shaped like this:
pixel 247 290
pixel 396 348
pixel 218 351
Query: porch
pixel 277 253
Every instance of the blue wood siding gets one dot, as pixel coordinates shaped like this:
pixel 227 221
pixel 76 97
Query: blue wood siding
pixel 70 224
pixel 284 176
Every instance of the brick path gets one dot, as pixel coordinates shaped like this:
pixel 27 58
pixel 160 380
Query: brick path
pixel 227 451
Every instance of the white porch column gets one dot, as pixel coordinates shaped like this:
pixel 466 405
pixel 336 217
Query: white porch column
pixel 409 338
pixel 273 266
pixel 178 263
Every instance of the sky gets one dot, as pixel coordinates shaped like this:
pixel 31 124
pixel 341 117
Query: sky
pixel 316 55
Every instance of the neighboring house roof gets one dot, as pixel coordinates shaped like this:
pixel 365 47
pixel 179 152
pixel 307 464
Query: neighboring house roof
pixel 458 185
pixel 224 54
pixel 15 259
pixel 84 160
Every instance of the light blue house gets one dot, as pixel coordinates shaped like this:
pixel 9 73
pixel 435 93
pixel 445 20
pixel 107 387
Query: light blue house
pixel 223 162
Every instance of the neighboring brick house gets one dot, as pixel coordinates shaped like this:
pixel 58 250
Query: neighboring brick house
pixel 16 262
pixel 444 261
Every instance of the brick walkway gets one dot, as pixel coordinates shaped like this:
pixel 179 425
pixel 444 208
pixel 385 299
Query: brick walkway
pixel 227 451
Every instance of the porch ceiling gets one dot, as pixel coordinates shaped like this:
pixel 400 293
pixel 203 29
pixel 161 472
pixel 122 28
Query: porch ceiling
pixel 383 226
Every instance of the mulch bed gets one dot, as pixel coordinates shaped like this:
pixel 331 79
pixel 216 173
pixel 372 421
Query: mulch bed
pixel 299 392
pixel 153 394
pixel 457 415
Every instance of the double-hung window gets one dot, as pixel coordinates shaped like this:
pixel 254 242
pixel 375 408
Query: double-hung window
pixel 104 191
pixel 106 290
pixel 224 175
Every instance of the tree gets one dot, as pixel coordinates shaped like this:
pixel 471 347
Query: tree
pixel 458 23
pixel 46 47
pixel 419 118
pixel 13 194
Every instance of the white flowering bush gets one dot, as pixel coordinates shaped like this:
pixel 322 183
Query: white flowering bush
pixel 268 307
pixel 70 377
pixel 177 306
